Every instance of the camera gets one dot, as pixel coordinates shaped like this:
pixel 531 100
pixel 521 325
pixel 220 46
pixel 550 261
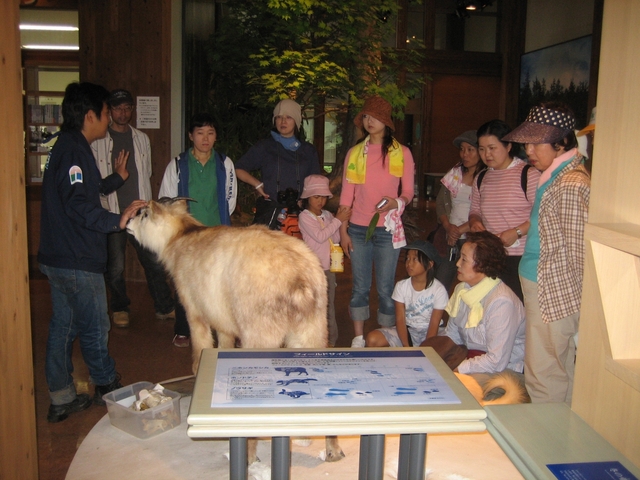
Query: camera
pixel 289 198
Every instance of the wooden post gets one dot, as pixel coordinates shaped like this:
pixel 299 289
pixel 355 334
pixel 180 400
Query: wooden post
pixel 18 448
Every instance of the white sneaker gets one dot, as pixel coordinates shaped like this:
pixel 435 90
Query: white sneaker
pixel 357 342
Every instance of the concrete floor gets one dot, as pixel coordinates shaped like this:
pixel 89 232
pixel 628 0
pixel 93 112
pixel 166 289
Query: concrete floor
pixel 143 352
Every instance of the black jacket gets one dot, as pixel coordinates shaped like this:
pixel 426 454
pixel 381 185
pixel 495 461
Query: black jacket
pixel 73 224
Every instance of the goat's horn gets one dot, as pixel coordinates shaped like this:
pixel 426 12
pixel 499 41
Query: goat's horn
pixel 169 200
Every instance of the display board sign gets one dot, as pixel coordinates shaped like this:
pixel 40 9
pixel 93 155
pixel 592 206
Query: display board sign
pixel 328 377
pixel 591 471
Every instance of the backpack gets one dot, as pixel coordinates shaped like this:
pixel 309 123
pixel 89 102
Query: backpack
pixel 523 179
pixel 289 223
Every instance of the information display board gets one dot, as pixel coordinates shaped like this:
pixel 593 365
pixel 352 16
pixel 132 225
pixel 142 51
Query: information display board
pixel 320 378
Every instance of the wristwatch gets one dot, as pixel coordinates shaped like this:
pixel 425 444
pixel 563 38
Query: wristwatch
pixel 519 232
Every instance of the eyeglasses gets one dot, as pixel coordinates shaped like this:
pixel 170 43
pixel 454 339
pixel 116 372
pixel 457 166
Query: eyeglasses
pixel 123 109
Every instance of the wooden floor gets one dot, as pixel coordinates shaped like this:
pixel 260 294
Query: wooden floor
pixel 143 352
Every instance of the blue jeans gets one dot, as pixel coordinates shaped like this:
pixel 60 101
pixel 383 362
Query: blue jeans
pixel 153 270
pixel 378 252
pixel 79 301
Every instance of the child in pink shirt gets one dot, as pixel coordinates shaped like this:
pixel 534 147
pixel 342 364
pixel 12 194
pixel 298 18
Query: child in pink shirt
pixel 319 228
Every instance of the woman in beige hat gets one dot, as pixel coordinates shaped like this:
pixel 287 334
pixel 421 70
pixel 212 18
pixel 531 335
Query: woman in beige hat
pixel 374 170
pixel 551 268
pixel 282 159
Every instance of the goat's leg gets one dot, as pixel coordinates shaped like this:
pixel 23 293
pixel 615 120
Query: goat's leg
pixel 334 452
pixel 225 340
pixel 201 338
pixel 252 451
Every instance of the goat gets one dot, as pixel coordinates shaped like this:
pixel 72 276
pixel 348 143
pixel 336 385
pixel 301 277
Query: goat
pixel 259 286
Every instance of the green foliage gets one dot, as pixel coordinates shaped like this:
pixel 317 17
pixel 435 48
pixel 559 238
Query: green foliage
pixel 308 50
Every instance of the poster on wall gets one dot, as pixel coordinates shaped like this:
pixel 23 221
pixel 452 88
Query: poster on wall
pixel 557 73
pixel 148 109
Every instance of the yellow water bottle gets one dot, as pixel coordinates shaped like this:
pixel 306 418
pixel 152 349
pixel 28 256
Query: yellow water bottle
pixel 337 259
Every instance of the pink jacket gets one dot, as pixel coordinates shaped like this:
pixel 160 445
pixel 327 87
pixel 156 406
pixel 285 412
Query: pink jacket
pixel 316 234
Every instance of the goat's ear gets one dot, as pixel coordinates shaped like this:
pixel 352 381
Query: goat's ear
pixel 176 204
pixel 179 205
pixel 153 206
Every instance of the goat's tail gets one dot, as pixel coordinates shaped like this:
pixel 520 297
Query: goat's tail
pixel 308 302
pixel 509 383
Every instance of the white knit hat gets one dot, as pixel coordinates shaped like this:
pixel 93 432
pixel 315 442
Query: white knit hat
pixel 290 108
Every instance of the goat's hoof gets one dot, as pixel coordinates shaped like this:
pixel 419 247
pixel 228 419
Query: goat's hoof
pixel 334 456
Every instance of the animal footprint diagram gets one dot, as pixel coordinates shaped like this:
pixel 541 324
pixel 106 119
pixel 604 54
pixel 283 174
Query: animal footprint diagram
pixel 405 391
pixel 337 392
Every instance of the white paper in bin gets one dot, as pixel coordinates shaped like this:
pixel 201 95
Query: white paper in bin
pixel 145 424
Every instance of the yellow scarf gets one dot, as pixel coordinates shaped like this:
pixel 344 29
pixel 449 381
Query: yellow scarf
pixel 472 297
pixel 357 162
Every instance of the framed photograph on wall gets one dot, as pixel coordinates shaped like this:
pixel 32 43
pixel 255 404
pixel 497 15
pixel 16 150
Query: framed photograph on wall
pixel 559 72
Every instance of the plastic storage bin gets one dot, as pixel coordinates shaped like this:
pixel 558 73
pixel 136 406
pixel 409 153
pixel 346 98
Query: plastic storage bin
pixel 145 424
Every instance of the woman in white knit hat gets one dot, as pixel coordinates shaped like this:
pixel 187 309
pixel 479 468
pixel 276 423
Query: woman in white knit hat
pixel 282 159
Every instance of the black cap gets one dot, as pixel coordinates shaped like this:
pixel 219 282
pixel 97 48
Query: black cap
pixel 427 248
pixel 118 97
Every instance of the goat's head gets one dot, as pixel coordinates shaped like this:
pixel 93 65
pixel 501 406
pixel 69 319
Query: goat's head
pixel 159 222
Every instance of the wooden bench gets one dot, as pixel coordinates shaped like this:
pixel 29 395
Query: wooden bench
pixel 536 435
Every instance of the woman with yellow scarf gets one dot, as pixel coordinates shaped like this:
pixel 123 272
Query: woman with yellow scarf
pixel 485 316
pixel 377 168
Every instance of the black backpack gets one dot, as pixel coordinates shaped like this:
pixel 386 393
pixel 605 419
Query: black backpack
pixel 523 179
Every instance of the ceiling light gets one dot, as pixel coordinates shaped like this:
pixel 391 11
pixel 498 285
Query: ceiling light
pixel 463 7
pixel 51 47
pixel 56 28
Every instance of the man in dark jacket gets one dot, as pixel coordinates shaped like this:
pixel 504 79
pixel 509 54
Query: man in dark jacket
pixel 73 249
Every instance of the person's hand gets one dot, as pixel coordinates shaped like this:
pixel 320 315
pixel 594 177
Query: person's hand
pixel 346 244
pixel 120 164
pixel 508 237
pixel 453 234
pixel 343 214
pixel 476 225
pixel 261 191
pixel 130 212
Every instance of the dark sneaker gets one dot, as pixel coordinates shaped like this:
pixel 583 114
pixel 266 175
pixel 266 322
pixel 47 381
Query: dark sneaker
pixel 58 413
pixel 102 389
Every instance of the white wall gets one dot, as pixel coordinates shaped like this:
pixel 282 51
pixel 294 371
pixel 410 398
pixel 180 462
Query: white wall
pixel 555 21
